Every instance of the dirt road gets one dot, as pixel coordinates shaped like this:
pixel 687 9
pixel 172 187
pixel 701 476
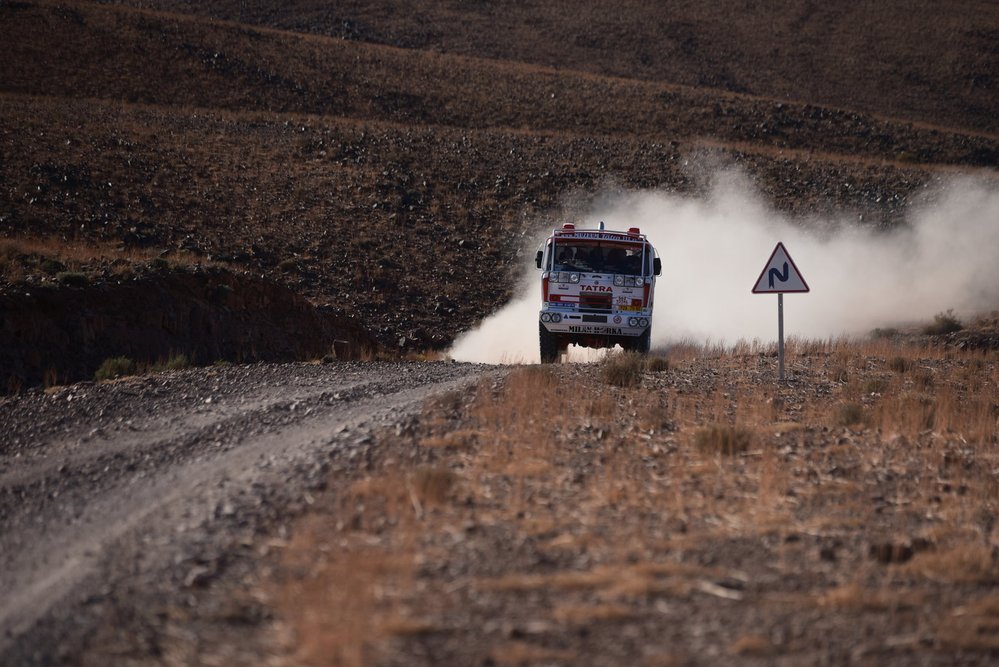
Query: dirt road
pixel 145 483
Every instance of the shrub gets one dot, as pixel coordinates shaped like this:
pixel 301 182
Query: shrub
pixel 725 440
pixel 943 323
pixel 53 267
pixel 622 370
pixel 72 279
pixel 849 414
pixel 176 362
pixel 900 364
pixel 887 332
pixel 875 386
pixel 656 364
pixel 114 367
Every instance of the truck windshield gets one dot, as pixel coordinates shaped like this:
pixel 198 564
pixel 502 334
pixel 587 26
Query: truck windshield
pixel 624 258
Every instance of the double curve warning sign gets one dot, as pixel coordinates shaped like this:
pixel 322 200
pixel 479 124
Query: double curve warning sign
pixel 780 275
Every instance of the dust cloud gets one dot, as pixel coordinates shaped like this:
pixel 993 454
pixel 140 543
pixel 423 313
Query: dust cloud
pixel 714 248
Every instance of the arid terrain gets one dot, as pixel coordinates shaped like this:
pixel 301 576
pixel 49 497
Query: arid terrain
pixel 678 509
pixel 697 515
pixel 398 188
pixel 194 195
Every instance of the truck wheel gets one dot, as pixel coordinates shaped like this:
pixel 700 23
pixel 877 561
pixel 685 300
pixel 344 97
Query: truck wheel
pixel 644 342
pixel 549 345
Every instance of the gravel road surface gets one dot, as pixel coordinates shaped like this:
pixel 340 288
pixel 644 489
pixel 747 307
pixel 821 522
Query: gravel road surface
pixel 142 483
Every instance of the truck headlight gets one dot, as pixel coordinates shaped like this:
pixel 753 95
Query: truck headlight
pixel 556 318
pixel 618 281
pixel 632 321
pixel 643 322
pixel 545 317
pixel 573 277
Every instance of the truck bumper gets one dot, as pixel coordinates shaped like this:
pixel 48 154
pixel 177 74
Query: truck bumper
pixel 613 324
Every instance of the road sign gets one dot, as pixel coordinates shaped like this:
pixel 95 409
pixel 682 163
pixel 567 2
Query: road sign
pixel 780 275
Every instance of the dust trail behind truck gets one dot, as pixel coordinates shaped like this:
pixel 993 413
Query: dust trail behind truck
pixel 597 290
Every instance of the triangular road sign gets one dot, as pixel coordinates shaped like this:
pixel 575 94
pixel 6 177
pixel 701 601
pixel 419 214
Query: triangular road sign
pixel 780 275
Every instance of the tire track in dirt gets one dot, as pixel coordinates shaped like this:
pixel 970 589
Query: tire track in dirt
pixel 199 451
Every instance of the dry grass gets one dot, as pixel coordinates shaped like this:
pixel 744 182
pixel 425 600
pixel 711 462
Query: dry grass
pixel 724 440
pixel 860 597
pixel 623 370
pixel 571 507
pixel 974 626
pixel 433 485
pixel 751 644
pixel 586 615
pixel 961 564
pixel 70 262
pixel 522 653
pixel 349 600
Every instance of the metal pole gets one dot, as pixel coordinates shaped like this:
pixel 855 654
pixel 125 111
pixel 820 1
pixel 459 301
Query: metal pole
pixel 780 333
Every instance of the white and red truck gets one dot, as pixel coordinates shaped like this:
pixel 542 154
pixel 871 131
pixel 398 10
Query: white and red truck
pixel 597 289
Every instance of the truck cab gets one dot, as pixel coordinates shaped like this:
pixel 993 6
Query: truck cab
pixel 597 288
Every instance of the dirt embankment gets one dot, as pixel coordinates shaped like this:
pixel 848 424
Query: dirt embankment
pixel 58 335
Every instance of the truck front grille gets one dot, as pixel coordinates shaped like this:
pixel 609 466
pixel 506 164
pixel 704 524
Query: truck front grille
pixel 595 303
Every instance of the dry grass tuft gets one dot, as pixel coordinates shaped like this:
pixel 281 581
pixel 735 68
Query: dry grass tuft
pixel 622 370
pixel 587 614
pixel 433 485
pixel 408 627
pixel 458 439
pixel 583 580
pixel 724 440
pixel 900 364
pixel 974 626
pixel 962 564
pixel 875 386
pixel 656 364
pixel 857 596
pixel 522 653
pixel 337 613
pixel 752 645
pixel 848 414
pixel 114 367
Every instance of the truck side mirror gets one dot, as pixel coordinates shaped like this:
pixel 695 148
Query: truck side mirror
pixel 657 266
pixel 537 259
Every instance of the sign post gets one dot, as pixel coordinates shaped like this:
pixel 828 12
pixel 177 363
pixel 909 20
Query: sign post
pixel 780 275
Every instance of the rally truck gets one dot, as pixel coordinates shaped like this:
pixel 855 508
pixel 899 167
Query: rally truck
pixel 597 288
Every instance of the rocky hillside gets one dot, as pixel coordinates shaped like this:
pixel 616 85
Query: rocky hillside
pixel 395 181
pixel 912 60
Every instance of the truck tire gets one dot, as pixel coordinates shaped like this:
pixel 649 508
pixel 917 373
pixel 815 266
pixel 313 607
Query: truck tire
pixel 644 342
pixel 549 345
